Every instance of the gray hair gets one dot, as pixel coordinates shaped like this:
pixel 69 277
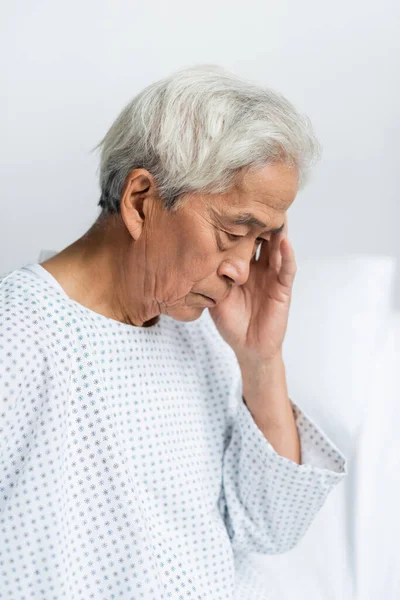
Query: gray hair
pixel 196 130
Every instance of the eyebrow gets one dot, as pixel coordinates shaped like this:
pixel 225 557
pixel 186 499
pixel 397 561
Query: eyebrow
pixel 249 219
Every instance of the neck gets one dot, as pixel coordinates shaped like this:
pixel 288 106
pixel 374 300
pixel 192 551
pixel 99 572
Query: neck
pixel 96 269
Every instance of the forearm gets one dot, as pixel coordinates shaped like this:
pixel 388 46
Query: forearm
pixel 266 396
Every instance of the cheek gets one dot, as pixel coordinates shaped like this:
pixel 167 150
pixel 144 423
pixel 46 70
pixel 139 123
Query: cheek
pixel 197 258
pixel 200 265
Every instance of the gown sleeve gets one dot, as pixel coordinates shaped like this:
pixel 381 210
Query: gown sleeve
pixel 268 501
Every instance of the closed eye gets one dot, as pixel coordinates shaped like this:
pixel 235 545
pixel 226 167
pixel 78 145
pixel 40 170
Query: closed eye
pixel 232 236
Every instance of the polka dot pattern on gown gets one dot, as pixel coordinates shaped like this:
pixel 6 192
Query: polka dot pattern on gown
pixel 130 467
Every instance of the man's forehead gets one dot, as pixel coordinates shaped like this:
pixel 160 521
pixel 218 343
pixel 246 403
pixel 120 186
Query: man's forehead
pixel 235 217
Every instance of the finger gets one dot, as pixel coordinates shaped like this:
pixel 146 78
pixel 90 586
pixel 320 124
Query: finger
pixel 288 269
pixel 270 255
pixel 275 258
pixel 276 239
pixel 264 253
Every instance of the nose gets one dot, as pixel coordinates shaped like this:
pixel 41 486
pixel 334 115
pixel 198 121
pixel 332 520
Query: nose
pixel 236 265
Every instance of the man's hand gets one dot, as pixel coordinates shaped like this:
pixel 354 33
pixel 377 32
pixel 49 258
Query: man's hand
pixel 253 317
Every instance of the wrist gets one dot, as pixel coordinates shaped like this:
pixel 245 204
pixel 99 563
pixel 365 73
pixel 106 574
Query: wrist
pixel 263 378
pixel 249 362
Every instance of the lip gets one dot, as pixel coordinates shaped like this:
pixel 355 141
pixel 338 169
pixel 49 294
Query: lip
pixel 210 300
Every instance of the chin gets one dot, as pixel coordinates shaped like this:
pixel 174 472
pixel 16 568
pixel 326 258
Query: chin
pixel 186 313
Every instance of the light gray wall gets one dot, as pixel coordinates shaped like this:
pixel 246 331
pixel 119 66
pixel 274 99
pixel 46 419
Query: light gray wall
pixel 68 68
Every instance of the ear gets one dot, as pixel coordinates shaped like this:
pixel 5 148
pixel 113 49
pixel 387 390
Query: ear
pixel 136 200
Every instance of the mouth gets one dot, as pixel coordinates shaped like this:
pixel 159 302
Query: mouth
pixel 208 298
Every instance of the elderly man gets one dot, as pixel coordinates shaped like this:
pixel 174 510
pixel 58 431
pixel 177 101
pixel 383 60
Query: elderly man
pixel 149 444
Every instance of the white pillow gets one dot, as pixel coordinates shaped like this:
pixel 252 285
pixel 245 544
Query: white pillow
pixel 377 523
pixel 338 312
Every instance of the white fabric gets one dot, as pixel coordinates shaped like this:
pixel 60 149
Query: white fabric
pixel 130 467
pixel 377 485
pixel 335 327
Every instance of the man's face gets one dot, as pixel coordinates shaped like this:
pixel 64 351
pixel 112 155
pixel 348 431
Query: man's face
pixel 192 252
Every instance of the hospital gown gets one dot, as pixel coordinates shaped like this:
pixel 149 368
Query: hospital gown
pixel 130 467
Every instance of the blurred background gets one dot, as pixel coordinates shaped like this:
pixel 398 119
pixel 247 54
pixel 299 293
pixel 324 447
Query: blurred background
pixel 68 68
